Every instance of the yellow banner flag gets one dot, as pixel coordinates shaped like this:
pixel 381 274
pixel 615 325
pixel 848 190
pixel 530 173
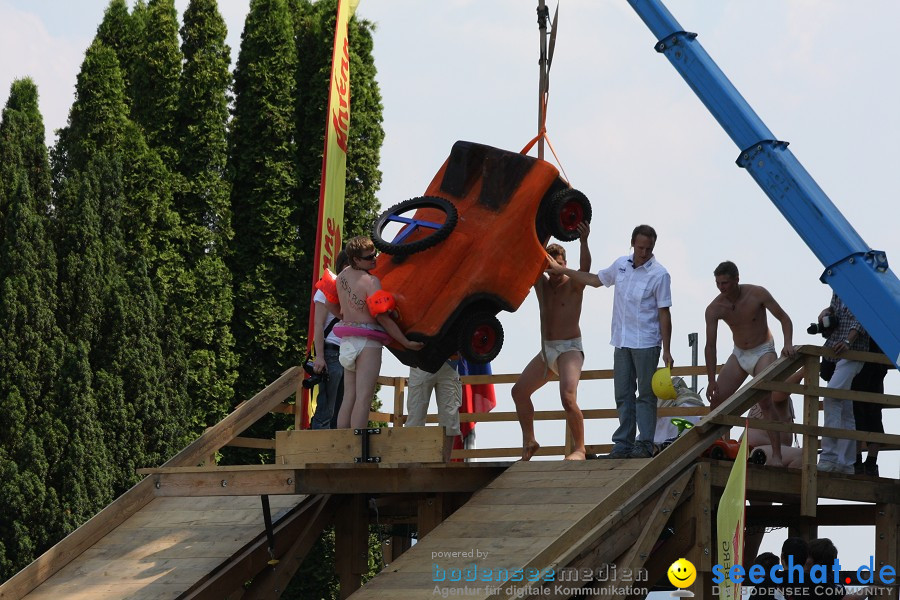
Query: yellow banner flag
pixel 334 169
pixel 730 523
pixel 334 158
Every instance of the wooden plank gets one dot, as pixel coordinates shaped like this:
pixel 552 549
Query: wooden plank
pixel 138 496
pixel 430 513
pixel 502 497
pixel 102 590
pixel 809 469
pixel 888 400
pixel 258 443
pixel 512 512
pixel 507 529
pixel 149 550
pixel 351 535
pixel 392 445
pixel 887 539
pixel 637 555
pixel 225 483
pixel 293 536
pixel 587 375
pixel 656 473
pixel 272 581
pixel 500 552
pixel 815 430
pixel 701 503
pixel 399 395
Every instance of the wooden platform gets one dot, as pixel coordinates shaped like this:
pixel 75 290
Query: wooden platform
pixel 527 517
pixel 164 549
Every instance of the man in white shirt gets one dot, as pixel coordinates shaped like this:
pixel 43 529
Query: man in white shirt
pixel 641 328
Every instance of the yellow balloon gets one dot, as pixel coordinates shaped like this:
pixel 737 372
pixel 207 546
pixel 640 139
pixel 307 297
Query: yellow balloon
pixel 682 573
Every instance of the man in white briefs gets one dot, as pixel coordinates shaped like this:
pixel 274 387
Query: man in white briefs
pixel 743 308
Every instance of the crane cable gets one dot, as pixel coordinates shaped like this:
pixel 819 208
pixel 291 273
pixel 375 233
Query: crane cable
pixel 545 93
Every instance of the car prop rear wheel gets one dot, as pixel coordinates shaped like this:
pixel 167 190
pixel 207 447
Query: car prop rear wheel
pixel 409 240
pixel 564 211
pixel 480 337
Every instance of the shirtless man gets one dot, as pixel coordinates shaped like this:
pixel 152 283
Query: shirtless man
pixel 365 323
pixel 743 308
pixel 559 298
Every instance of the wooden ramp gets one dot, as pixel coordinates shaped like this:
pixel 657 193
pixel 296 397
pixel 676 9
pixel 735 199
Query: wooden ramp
pixel 537 515
pixel 165 549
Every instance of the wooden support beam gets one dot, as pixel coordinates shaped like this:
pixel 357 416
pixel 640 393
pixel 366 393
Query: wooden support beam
pixel 351 544
pixel 431 513
pixel 634 559
pixel 239 480
pixel 272 582
pixel 827 515
pixel 395 545
pixel 391 445
pixel 887 541
pixel 809 472
pixel 604 552
pixel 399 394
pixel 301 528
pixel 701 503
pixel 805 430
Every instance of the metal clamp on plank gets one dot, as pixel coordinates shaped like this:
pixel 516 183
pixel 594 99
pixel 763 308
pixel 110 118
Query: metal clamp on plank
pixel 365 433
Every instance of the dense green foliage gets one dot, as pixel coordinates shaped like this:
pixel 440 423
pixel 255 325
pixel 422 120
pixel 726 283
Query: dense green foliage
pixel 30 341
pixel 204 293
pixel 155 264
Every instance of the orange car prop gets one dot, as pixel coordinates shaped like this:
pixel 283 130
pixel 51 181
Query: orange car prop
pixel 472 246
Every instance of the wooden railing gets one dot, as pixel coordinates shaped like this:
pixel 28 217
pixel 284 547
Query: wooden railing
pixel 397 417
pixel 807 357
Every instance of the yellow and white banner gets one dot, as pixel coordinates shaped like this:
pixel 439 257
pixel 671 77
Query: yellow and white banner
pixel 730 523
pixel 334 167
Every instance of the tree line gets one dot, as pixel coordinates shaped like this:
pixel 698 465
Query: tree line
pixel 155 262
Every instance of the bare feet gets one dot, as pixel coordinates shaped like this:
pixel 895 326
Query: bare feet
pixel 529 449
pixel 577 455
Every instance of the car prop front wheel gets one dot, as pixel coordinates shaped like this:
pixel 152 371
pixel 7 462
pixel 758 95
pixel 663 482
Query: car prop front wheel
pixel 480 337
pixel 418 230
pixel 564 211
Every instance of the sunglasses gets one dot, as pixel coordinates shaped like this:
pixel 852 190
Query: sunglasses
pixel 369 257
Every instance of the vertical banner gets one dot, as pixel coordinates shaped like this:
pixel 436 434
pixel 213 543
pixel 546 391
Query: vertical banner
pixel 334 170
pixel 730 523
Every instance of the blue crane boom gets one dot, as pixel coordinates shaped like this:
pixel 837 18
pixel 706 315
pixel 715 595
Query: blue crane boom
pixel 858 274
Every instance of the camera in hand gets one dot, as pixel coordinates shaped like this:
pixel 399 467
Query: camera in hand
pixel 314 378
pixel 824 326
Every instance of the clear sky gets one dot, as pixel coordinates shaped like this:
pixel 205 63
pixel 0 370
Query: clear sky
pixel 629 132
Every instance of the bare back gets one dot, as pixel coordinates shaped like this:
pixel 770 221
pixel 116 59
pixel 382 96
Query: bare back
pixel 561 300
pixel 746 316
pixel 354 287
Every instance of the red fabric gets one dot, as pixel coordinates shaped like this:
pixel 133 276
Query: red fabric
pixel 479 398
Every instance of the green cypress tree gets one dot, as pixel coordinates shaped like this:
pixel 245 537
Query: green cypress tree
pixel 366 132
pixel 117 30
pixel 30 342
pixel 270 290
pixel 114 184
pixel 157 77
pixel 203 203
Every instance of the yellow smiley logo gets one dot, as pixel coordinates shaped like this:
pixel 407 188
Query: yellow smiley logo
pixel 682 573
